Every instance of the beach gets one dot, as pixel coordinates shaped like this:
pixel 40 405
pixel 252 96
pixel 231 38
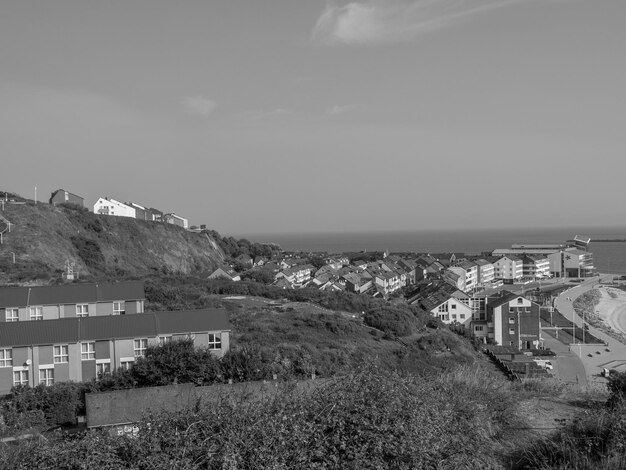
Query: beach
pixel 611 308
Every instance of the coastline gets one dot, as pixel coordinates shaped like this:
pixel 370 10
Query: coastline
pixel 611 308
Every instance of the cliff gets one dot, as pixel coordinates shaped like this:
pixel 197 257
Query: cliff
pixel 43 237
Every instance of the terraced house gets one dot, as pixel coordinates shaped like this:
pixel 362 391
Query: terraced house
pixel 19 304
pixel 82 348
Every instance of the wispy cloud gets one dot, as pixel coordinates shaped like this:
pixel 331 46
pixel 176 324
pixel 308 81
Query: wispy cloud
pixel 199 105
pixel 384 21
pixel 339 109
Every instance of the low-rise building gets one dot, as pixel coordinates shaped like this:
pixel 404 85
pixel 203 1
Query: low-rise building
pixel 225 272
pixel 512 320
pixel 176 220
pixel 61 196
pixel 19 304
pixel 79 349
pixel 109 206
pixel 509 269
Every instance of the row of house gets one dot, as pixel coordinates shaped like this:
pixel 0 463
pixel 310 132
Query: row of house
pixel 78 331
pixel 110 206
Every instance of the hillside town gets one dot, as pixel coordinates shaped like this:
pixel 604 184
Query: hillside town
pixel 456 288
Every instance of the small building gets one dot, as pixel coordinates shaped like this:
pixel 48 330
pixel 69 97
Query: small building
pixel 225 272
pixel 176 220
pixel 109 206
pixel 141 212
pixel 61 196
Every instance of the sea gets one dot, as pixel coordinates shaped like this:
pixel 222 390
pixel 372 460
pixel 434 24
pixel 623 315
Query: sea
pixel 609 257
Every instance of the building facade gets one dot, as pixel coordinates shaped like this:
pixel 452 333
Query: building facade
pixel 61 196
pixel 79 349
pixel 20 304
pixel 109 206
pixel 511 320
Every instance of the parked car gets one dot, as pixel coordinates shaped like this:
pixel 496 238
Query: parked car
pixel 544 363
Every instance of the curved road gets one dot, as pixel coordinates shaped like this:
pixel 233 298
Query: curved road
pixel 594 357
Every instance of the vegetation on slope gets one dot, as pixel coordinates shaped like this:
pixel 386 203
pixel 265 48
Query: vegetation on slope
pixel 371 419
pixel 44 237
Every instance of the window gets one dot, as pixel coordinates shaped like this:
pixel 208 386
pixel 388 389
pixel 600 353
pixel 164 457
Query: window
pixel 140 346
pixel 20 377
pixel 36 313
pixel 527 309
pixel 511 331
pixel 454 316
pixel 87 351
pixel 520 300
pixel 119 308
pixel 215 341
pixel 511 320
pixel 462 316
pixel 12 314
pixel 126 365
pixel 164 340
pixel 453 306
pixel 103 368
pixel 478 328
pixel 61 354
pixel 443 308
pixel 46 375
pixel 82 310
pixel 6 358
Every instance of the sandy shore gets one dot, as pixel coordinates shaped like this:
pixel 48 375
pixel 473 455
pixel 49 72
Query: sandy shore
pixel 612 308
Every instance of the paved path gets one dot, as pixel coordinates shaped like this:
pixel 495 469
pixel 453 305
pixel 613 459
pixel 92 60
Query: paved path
pixel 594 357
pixel 567 365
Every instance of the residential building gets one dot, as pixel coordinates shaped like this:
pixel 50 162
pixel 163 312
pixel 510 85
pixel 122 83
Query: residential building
pixel 536 267
pixel 79 349
pixel 20 304
pixel 61 196
pixel 109 206
pixel 509 269
pixel 486 273
pixel 176 220
pixel 225 272
pixel 512 320
pixel 468 274
pixel 296 275
pixel 141 212
pixel 157 215
pixel 447 303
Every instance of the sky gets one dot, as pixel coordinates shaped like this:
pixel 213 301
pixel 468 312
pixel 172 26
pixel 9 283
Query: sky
pixel 319 116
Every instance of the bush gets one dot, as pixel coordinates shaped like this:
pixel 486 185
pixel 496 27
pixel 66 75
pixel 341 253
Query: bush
pixel 89 251
pixel 395 320
pixel 371 419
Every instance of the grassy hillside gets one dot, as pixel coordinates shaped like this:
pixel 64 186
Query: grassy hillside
pixel 43 237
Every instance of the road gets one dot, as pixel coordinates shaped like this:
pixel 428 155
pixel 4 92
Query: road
pixel 594 357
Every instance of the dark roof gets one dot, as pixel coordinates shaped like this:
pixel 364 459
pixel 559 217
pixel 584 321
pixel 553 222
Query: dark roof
pixel 505 297
pixel 54 193
pixel 73 330
pixel 71 293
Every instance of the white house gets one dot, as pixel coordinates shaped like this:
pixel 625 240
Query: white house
pixel 109 206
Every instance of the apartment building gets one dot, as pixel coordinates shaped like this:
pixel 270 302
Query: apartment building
pixel 511 320
pixel 19 304
pixel 509 269
pixel 79 349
